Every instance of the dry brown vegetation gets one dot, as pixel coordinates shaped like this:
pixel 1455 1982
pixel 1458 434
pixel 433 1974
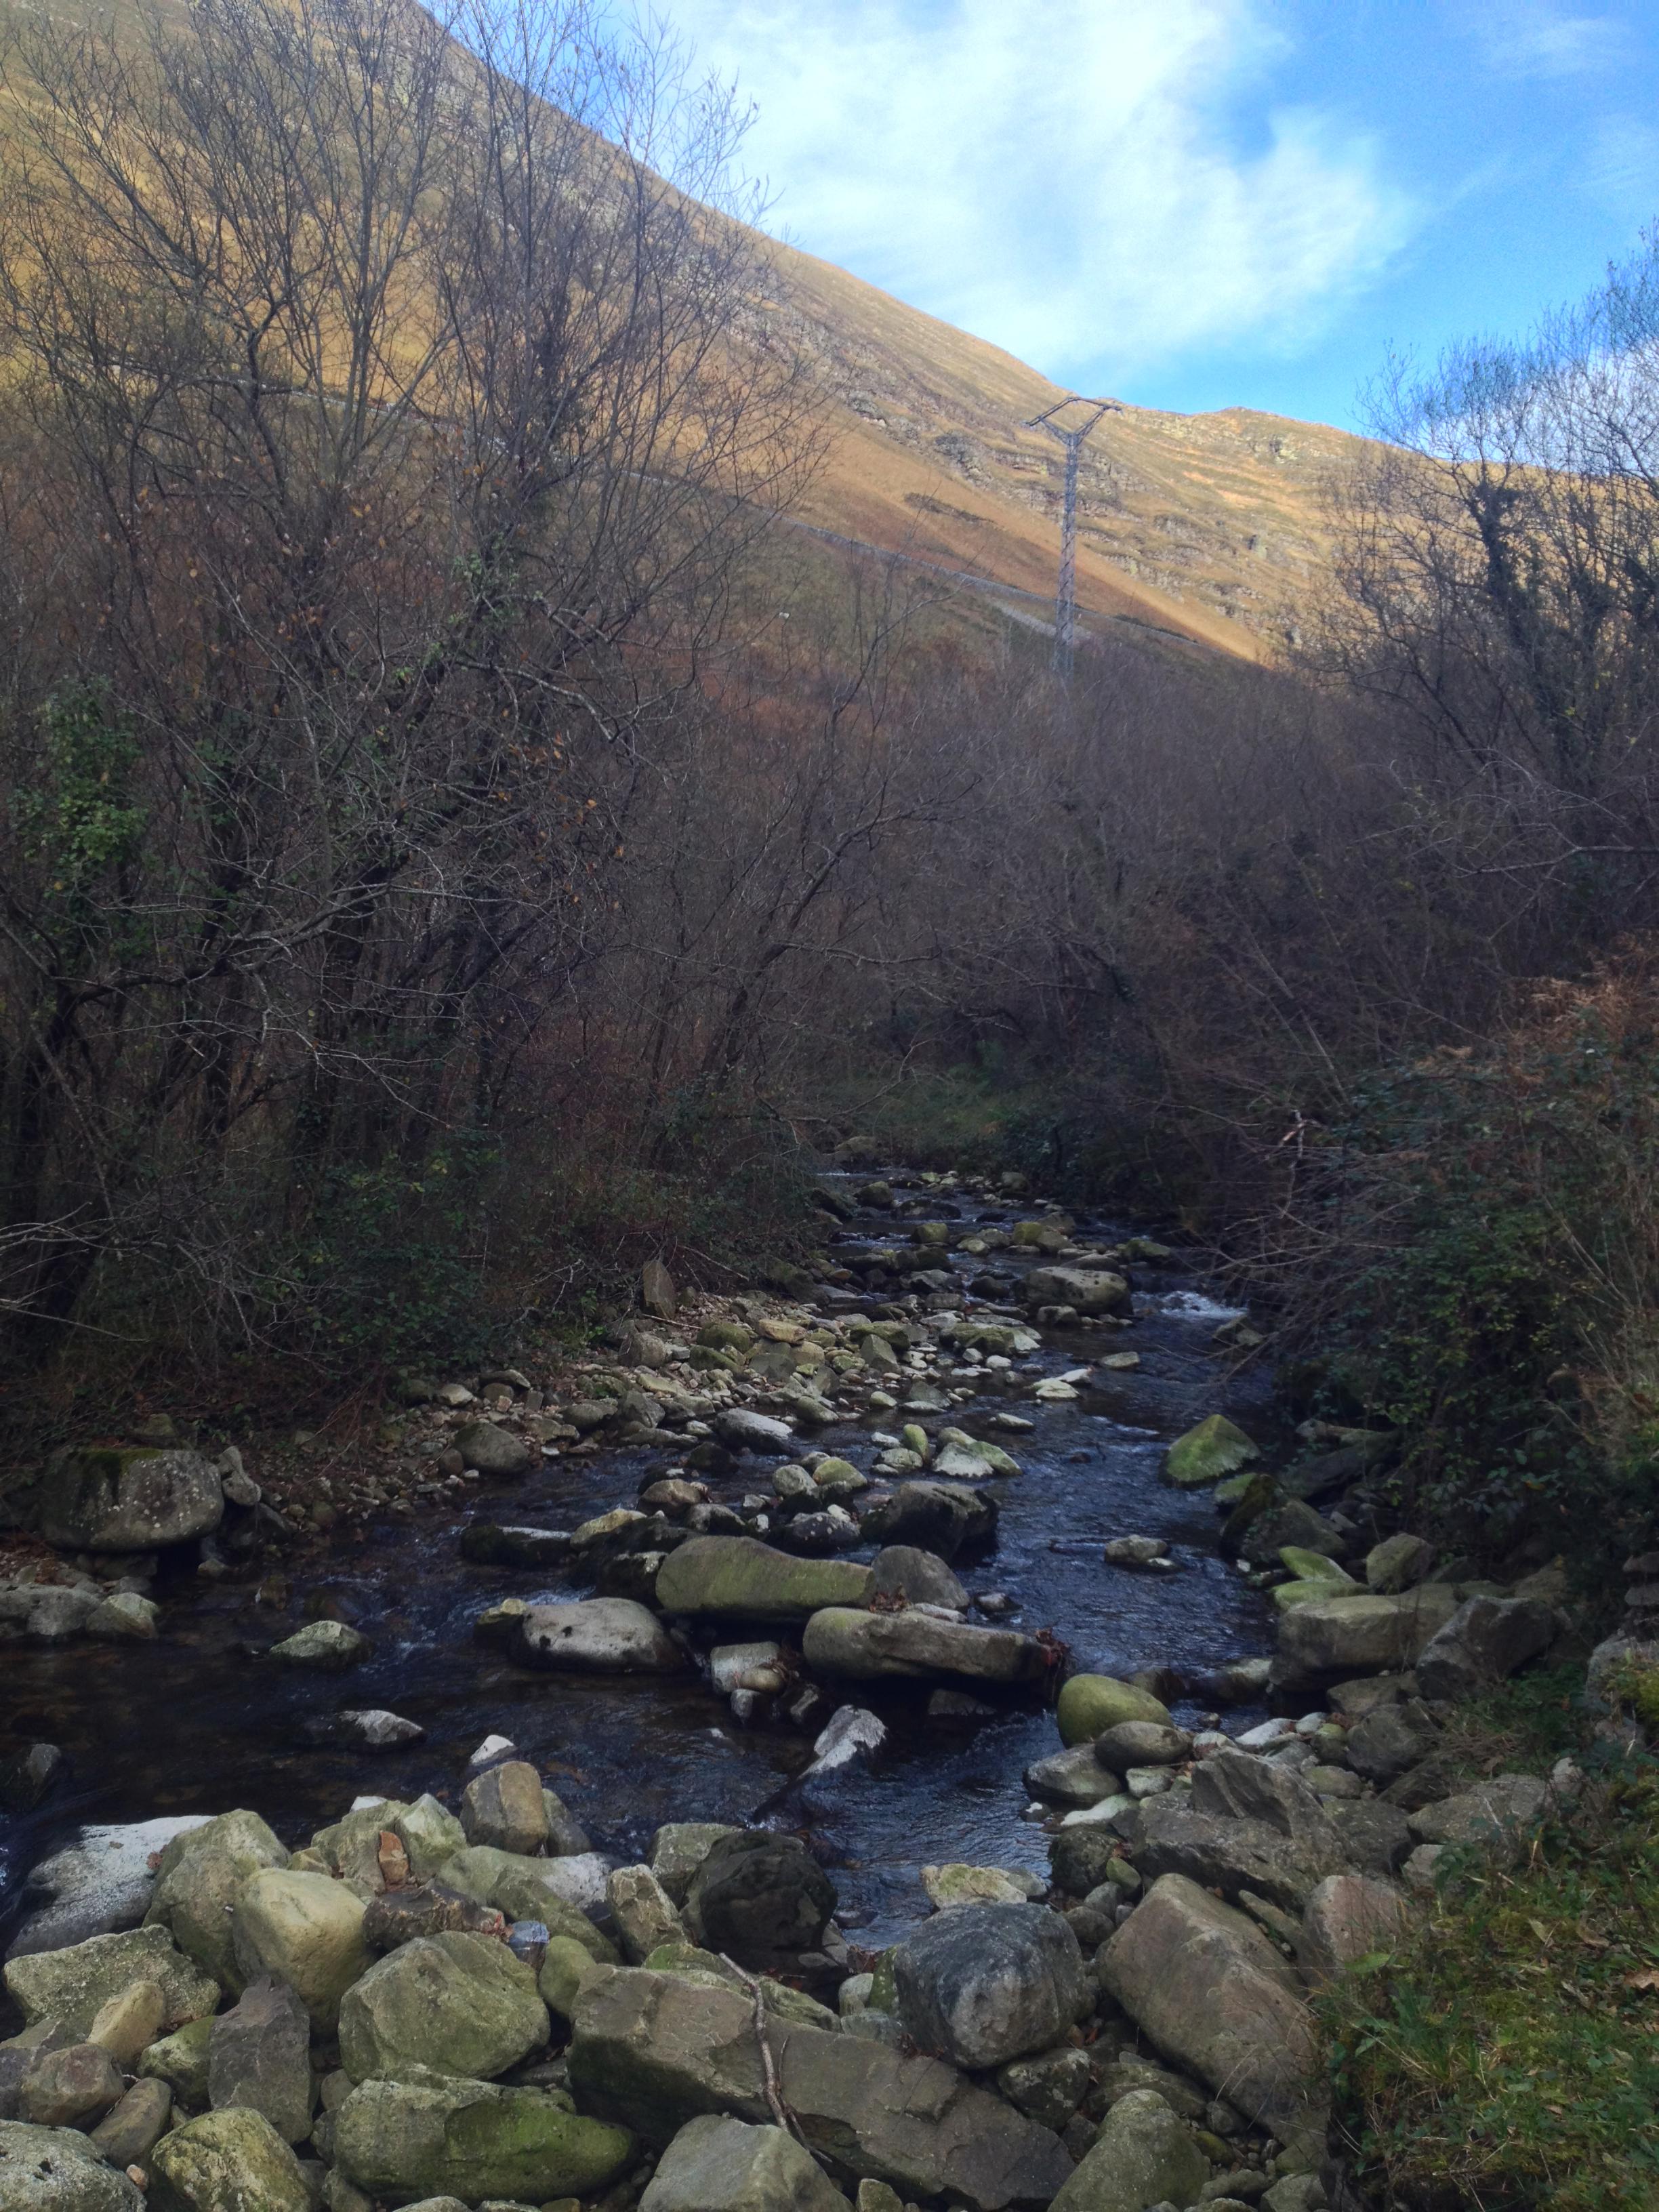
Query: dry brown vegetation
pixel 459 838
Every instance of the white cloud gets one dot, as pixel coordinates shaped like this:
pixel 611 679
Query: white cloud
pixel 1622 168
pixel 1538 38
pixel 1063 177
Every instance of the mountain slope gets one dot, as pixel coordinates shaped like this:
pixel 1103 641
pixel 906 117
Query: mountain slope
pixel 1210 525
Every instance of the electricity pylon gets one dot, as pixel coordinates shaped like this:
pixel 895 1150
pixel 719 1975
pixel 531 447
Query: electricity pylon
pixel 1066 600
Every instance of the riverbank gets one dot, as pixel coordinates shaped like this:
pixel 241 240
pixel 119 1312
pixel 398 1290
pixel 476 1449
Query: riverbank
pixel 810 1540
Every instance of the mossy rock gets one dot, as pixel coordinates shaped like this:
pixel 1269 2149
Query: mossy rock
pixel 1090 1703
pixel 1217 1446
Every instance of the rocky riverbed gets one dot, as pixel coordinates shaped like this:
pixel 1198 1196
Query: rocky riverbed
pixel 819 1748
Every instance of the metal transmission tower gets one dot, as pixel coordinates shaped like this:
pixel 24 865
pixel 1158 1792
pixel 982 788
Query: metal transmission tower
pixel 1066 600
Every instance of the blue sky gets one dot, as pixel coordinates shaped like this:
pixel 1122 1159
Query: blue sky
pixel 1197 203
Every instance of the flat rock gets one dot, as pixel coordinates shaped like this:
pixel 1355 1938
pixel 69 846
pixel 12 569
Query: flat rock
pixel 599 1636
pixel 657 2050
pixel 738 1577
pixel 869 1646
pixel 1090 1290
pixel 1367 1634
pixel 99 1884
pixel 72 1986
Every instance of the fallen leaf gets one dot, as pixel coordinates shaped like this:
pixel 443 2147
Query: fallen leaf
pixel 1647 1979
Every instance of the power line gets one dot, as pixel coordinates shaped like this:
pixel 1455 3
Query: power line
pixel 1066 599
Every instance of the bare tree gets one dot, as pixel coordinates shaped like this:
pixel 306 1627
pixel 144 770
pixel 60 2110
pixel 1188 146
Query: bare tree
pixel 387 461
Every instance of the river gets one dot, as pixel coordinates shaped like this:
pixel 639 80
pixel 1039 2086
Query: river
pixel 196 1723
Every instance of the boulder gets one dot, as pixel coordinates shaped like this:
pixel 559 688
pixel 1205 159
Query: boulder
pixel 946 1518
pixel 679 1848
pixel 305 1929
pixel 740 1429
pixel 72 2087
pixel 101 1883
pixel 1482 1644
pixel 1376 1837
pixel 1348 1916
pixel 1048 2087
pixel 919 1646
pixel 127 2136
pixel 495 1450
pixel 130 2021
pixel 1363 1635
pixel 1142 2156
pixel 761 1898
pixel 599 1636
pixel 180 2061
pixel 1090 1703
pixel 1291 1522
pixel 643 1912
pixel 739 1578
pixel 1089 1290
pixel 489 1544
pixel 504 1807
pixel 1141 1743
pixel 229 2161
pixel 114 1500
pixel 1495 1816
pixel 1220 1852
pixel 1217 1446
pixel 905 1570
pixel 1390 1741
pixel 72 1986
pixel 124 1613
pixel 333 1645
pixel 472 2140
pixel 430 1835
pixel 1234 1786
pixel 721 2165
pixel 1212 1996
pixel 56 2170
pixel 428 1908
pixel 657 1292
pixel 657 2050
pixel 1073 1778
pixel 259 2056
pixel 561 1892
pixel 987 1983
pixel 1080 1857
pixel 449 2004
pixel 1397 1563
pixel 201 1875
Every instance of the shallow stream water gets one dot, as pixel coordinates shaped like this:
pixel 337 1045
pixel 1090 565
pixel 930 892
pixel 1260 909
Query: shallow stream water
pixel 194 1725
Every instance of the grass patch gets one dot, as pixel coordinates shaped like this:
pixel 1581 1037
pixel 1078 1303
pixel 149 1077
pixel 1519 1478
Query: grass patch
pixel 1508 2056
